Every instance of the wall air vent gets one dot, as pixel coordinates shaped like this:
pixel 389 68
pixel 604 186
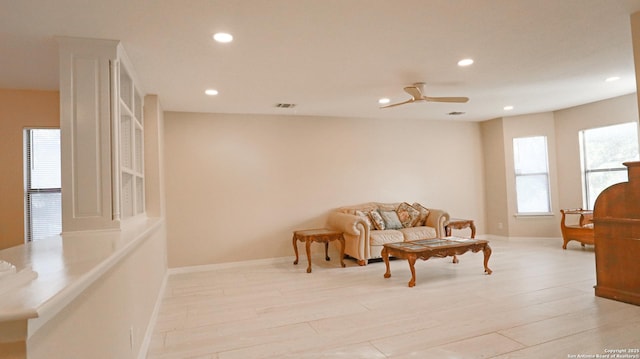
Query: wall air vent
pixel 285 105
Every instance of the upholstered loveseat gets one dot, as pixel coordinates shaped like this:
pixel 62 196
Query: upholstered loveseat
pixel 368 226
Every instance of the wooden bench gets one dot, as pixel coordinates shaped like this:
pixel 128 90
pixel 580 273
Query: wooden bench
pixel 582 231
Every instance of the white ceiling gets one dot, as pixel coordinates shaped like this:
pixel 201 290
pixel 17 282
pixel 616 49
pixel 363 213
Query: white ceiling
pixel 338 57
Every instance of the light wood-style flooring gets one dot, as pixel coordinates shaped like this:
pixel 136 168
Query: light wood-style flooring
pixel 538 303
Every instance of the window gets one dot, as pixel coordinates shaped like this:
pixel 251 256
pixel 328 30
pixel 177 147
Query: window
pixel 532 175
pixel 603 151
pixel 43 197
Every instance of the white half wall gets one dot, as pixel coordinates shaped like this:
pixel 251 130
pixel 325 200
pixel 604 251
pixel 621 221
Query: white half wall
pixel 112 317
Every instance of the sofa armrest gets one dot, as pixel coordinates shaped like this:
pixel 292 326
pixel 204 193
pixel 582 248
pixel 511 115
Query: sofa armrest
pixel 356 234
pixel 437 219
pixel 348 223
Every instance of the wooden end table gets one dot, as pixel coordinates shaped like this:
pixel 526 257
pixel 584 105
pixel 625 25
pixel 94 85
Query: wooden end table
pixel 428 248
pixel 459 223
pixel 322 235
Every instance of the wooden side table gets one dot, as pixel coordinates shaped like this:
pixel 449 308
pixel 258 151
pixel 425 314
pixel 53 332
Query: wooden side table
pixel 459 223
pixel 322 235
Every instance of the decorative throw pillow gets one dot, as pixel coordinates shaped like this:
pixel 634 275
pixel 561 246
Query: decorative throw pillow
pixel 376 220
pixel 366 218
pixel 408 215
pixel 424 213
pixel 391 220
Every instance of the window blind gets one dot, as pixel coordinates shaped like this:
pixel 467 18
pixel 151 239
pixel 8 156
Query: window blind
pixel 43 195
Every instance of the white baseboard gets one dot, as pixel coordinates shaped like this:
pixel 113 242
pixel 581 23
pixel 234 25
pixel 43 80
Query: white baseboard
pixel 507 238
pixel 207 267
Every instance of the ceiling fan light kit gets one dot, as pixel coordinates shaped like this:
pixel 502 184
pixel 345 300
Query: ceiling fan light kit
pixel 416 91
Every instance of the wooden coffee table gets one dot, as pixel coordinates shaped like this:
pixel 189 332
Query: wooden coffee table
pixel 428 248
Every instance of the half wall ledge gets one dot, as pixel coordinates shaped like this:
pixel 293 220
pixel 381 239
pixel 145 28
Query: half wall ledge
pixel 64 266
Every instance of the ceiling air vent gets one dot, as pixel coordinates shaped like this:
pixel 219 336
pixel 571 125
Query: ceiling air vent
pixel 285 105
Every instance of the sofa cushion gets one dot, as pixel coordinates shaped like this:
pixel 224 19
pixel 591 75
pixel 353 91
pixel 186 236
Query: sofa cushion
pixel 391 220
pixel 379 238
pixel 416 233
pixel 424 213
pixel 376 220
pixel 408 215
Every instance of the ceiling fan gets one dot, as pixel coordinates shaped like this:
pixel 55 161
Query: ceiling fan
pixel 417 94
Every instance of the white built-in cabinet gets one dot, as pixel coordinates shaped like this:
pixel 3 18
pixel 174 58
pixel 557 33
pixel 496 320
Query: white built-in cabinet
pixel 102 132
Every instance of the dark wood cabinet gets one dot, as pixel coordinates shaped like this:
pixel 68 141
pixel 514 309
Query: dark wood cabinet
pixel 616 219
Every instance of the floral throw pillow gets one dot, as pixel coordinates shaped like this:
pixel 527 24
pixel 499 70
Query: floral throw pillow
pixel 376 220
pixel 366 218
pixel 424 213
pixel 408 215
pixel 391 220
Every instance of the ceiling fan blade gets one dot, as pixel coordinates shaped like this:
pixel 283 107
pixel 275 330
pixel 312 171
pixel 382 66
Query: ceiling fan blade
pixel 447 99
pixel 414 91
pixel 398 104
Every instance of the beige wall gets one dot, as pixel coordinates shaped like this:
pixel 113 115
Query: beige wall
pixel 561 128
pixel 569 123
pixel 541 124
pixel 154 157
pixel 274 164
pixel 496 196
pixel 238 185
pixel 19 109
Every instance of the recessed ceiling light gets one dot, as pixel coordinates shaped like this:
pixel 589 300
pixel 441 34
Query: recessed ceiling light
pixel 384 101
pixel 465 62
pixel 612 78
pixel 211 92
pixel 508 108
pixel 222 37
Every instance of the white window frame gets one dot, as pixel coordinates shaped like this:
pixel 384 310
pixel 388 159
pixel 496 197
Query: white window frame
pixel 28 190
pixel 587 201
pixel 522 174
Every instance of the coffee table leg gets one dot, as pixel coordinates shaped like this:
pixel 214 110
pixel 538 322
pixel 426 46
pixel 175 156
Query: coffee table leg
pixel 341 240
pixel 385 257
pixel 295 249
pixel 308 246
pixel 487 253
pixel 326 251
pixel 411 258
